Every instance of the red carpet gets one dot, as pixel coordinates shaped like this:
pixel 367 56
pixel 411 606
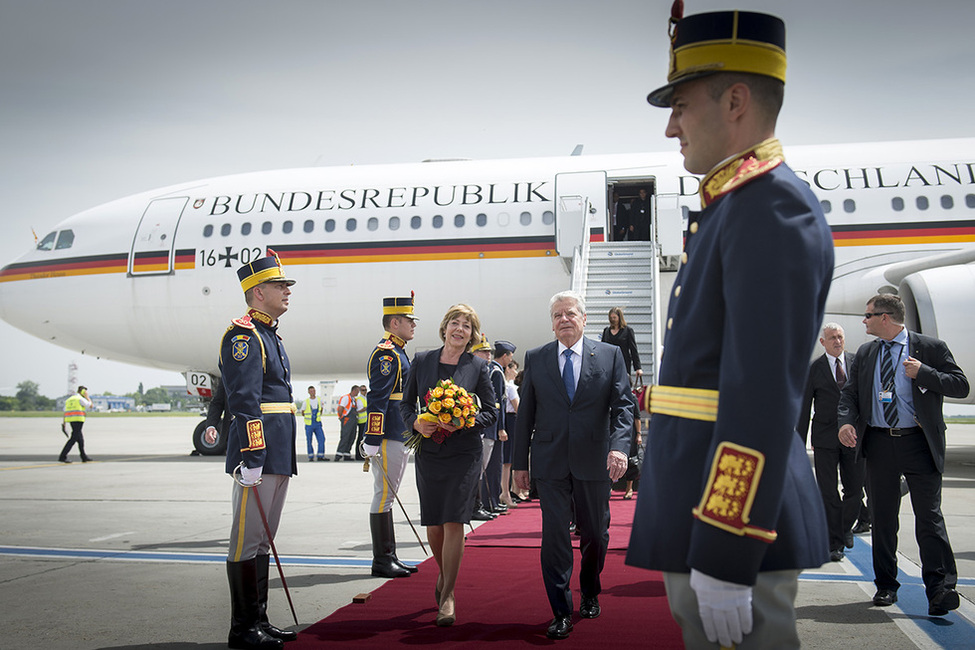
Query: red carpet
pixel 501 599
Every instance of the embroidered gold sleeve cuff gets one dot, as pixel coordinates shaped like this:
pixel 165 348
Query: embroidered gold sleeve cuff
pixel 730 491
pixel 375 424
pixel 255 436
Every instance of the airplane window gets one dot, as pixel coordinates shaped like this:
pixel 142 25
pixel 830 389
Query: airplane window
pixel 548 217
pixel 207 230
pixel 897 203
pixel 526 218
pixel 330 225
pixel 266 228
pixel 373 223
pixel 308 226
pixel 481 219
pixel 922 203
pixel 65 239
pixel 437 221
pixel 245 228
pixel 225 229
pixel 946 202
pixel 826 206
pixel 394 223
pixel 287 227
pixel 459 221
pixel 47 243
pixel 350 225
pixel 849 206
pixel 970 200
pixel 416 222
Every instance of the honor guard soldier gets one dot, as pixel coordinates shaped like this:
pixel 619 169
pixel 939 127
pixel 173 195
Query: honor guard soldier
pixel 386 433
pixel 261 446
pixel 729 509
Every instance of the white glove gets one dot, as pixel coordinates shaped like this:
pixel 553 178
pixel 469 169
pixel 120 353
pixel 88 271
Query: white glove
pixel 250 476
pixel 725 608
pixel 370 450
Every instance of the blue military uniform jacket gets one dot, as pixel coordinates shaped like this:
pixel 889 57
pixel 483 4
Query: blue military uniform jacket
pixel 388 365
pixel 257 378
pixel 735 495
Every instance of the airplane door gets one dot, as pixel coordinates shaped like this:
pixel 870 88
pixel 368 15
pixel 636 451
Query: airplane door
pixel 580 196
pixel 153 246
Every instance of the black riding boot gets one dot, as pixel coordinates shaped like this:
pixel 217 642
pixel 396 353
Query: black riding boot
pixel 245 626
pixel 384 562
pixel 263 564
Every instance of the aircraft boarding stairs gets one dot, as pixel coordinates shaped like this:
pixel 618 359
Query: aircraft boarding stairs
pixel 621 274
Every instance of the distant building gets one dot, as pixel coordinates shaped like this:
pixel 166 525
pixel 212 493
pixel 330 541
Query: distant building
pixel 106 403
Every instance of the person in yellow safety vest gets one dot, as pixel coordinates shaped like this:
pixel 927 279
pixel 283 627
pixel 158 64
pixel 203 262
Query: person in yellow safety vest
pixel 347 416
pixel 361 417
pixel 312 410
pixel 74 414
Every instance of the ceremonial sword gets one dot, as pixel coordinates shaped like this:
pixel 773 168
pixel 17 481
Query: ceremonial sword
pixel 270 537
pixel 389 484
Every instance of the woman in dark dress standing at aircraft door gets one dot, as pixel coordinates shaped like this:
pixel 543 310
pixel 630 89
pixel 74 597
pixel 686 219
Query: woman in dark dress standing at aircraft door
pixel 447 473
pixel 621 335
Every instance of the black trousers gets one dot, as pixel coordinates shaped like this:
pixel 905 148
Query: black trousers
pixel 76 437
pixel 587 503
pixel 841 514
pixel 887 458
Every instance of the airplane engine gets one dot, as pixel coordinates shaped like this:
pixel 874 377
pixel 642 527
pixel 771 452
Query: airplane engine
pixel 938 303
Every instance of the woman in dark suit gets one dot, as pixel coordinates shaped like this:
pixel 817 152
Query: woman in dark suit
pixel 447 473
pixel 621 335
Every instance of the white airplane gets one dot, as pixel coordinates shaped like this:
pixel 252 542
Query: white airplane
pixel 500 235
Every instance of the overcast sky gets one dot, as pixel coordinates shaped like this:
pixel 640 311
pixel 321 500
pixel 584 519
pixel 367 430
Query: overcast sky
pixel 106 98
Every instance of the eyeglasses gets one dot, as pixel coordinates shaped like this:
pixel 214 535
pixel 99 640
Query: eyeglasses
pixel 869 314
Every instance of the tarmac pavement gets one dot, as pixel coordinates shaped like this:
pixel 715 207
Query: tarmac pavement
pixel 128 551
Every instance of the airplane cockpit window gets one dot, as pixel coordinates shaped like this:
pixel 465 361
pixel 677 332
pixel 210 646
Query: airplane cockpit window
pixel 225 229
pixel 946 202
pixel 47 243
pixel 827 206
pixel 437 221
pixel 330 225
pixel 526 218
pixel 266 228
pixel 351 224
pixel 481 219
pixel 459 221
pixel 245 228
pixel 897 203
pixel 308 226
pixel 548 217
pixel 287 227
pixel 65 239
pixel 416 222
pixel 208 230
pixel 922 203
pixel 970 200
pixel 394 223
pixel 373 223
pixel 849 206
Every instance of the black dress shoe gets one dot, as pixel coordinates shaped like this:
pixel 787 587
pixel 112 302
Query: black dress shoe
pixel 848 539
pixel 861 527
pixel 885 597
pixel 589 607
pixel 559 628
pixel 943 602
pixel 499 509
pixel 64 460
pixel 277 633
pixel 837 555
pixel 482 515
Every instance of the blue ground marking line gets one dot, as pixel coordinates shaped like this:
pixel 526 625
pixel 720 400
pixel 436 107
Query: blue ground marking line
pixel 948 632
pixel 176 556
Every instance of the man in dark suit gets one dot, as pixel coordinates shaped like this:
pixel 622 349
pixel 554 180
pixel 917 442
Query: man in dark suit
pixel 891 411
pixel 575 418
pixel 827 376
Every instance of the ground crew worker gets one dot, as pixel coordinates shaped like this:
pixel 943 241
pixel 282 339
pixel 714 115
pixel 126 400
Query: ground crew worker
pixel 312 410
pixel 361 406
pixel 386 435
pixel 261 446
pixel 74 414
pixel 347 416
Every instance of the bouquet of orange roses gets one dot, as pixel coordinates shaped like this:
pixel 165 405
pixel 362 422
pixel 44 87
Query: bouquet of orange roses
pixel 446 403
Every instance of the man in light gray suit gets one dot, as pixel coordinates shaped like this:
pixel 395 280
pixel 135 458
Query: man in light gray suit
pixel 575 420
